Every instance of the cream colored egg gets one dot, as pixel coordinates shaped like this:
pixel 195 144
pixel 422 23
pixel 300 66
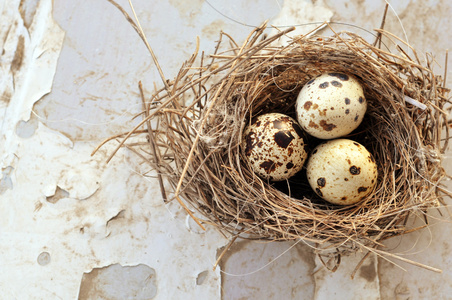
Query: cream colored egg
pixel 331 105
pixel 342 171
pixel 274 146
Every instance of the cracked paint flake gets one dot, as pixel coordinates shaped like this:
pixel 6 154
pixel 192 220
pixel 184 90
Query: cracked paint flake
pixel 28 66
pixel 119 282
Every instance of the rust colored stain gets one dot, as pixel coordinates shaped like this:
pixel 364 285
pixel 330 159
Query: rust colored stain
pixel 326 126
pixel 6 97
pixel 321 181
pixel 16 64
pixel 307 105
pixel 313 124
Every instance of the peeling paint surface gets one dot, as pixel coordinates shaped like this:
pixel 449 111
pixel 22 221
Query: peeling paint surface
pixel 72 226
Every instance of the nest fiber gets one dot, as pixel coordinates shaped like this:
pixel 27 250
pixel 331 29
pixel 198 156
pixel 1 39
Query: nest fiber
pixel 198 119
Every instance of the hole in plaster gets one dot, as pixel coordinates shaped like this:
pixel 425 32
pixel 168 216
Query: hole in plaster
pixel 59 194
pixel 44 258
pixel 262 264
pixel 119 282
pixel 5 182
pixel 26 129
pixel 201 277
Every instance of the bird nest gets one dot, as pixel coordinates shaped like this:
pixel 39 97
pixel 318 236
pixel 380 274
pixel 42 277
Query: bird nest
pixel 193 127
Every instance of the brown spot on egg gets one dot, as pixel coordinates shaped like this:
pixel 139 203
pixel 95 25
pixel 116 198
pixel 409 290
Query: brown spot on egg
pixel 315 106
pixel 260 144
pixel 346 179
pixel 313 124
pixel 258 123
pixel 319 192
pixel 321 181
pixel 324 85
pixel 323 112
pixel 347 111
pixel 356 118
pixel 361 100
pixel 268 165
pixel 344 198
pixel 311 81
pixel 355 170
pixel 347 101
pixel 336 83
pixel 326 126
pixel 290 151
pixel 341 76
pixel 289 165
pixel 349 161
pixel 283 138
pixel 362 189
pixel 249 140
pixel 332 108
pixel 315 151
pixel 307 105
pixel 356 144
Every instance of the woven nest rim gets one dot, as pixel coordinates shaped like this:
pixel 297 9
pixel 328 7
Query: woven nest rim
pixel 201 114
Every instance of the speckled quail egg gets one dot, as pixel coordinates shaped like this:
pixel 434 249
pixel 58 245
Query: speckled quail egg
pixel 274 147
pixel 331 105
pixel 342 171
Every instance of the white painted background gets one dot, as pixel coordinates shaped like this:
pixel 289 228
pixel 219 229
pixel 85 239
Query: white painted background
pixel 72 226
